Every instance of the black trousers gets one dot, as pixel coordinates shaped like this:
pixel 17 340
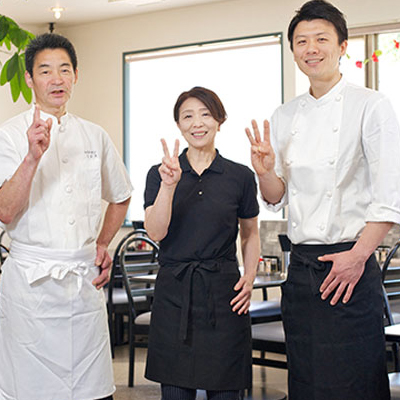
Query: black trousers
pixel 107 398
pixel 334 352
pixel 169 392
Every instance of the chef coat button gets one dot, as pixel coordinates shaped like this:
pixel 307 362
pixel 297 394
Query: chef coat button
pixel 322 227
pixel 332 161
pixel 294 192
pixel 62 128
pixel 200 192
pixel 335 129
pixel 65 160
pixel 288 162
pixel 302 103
pixel 200 180
pixel 71 221
pixel 294 224
pixel 338 97
pixel 68 189
pixel 293 132
pixel 329 193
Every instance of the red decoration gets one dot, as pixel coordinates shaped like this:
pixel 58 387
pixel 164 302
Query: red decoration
pixel 359 64
pixel 374 57
pixel 396 44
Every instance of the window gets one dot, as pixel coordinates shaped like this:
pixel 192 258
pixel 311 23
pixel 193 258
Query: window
pixel 245 73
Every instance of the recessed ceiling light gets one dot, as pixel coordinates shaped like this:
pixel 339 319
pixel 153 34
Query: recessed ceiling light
pixel 57 11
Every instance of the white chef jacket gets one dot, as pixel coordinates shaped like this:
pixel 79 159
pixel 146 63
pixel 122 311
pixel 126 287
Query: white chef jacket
pixel 339 158
pixel 80 167
pixel 54 340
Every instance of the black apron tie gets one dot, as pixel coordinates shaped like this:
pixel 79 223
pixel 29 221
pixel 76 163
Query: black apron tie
pixel 184 272
pixel 313 265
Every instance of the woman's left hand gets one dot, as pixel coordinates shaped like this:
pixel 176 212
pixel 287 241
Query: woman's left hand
pixel 241 302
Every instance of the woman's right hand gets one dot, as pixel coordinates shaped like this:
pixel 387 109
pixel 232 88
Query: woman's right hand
pixel 262 153
pixel 170 169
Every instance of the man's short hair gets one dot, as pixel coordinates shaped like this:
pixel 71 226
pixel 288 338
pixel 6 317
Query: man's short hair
pixel 319 9
pixel 48 41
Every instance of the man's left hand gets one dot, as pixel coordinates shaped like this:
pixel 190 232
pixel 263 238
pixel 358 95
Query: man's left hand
pixel 103 261
pixel 346 271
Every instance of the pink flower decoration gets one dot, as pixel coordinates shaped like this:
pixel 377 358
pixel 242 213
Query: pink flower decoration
pixel 359 64
pixel 396 44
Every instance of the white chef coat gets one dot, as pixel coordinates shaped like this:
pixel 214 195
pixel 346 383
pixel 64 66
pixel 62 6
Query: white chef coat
pixel 339 158
pixel 80 167
pixel 54 341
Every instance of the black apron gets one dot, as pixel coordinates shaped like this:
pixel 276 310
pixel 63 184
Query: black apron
pixel 334 352
pixel 196 340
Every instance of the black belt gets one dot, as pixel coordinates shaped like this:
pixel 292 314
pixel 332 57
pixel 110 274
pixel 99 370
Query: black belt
pixel 308 254
pixel 184 272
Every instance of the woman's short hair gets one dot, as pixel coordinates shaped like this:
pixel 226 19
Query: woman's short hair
pixel 319 9
pixel 207 97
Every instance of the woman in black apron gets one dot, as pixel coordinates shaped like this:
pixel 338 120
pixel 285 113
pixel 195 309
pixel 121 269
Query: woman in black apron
pixel 200 336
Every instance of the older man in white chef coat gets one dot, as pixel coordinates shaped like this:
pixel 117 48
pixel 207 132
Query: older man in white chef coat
pixel 55 170
pixel 334 161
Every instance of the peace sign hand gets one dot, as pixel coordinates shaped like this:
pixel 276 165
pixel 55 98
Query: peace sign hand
pixel 170 169
pixel 262 153
pixel 38 135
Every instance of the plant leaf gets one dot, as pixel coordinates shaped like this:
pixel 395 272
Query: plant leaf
pixel 12 68
pixel 18 37
pixel 15 89
pixel 7 42
pixel 3 75
pixel 378 52
pixel 3 28
pixel 26 91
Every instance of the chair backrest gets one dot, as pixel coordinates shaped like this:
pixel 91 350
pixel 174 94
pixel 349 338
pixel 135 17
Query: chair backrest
pixel 391 294
pixel 138 258
pixel 3 249
pixel 391 274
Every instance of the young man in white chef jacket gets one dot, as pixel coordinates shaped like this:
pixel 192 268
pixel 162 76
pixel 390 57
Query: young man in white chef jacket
pixel 333 158
pixel 55 170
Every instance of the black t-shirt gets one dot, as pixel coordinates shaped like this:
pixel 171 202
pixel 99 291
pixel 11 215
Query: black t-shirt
pixel 205 210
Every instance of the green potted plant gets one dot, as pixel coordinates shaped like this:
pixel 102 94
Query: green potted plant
pixel 13 41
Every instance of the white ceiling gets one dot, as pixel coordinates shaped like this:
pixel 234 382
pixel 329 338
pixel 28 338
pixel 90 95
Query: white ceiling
pixel 82 11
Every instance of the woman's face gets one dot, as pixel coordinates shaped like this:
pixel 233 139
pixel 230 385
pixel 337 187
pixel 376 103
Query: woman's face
pixel 196 124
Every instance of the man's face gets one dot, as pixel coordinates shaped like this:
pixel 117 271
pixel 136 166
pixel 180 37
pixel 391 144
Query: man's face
pixel 317 51
pixel 52 80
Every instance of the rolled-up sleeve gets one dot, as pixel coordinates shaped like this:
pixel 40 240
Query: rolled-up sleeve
pixel 10 159
pixel 381 141
pixel 116 184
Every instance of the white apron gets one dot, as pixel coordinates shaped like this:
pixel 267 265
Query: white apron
pixel 54 341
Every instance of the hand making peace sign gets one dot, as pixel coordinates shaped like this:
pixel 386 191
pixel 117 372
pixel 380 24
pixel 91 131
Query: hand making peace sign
pixel 39 135
pixel 170 169
pixel 262 153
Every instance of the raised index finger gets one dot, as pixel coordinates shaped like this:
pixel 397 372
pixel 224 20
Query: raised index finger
pixel 165 148
pixel 256 131
pixel 36 115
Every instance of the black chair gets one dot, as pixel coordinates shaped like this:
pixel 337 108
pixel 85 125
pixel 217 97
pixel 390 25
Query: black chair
pixel 394 376
pixel 3 249
pixel 136 262
pixel 391 279
pixel 117 300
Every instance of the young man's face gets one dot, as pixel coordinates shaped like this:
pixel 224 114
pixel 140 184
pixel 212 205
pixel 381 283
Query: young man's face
pixel 52 80
pixel 317 51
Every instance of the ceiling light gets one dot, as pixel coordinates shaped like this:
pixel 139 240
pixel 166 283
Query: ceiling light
pixel 57 12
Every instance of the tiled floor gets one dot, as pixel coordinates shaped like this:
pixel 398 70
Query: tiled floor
pixel 266 381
